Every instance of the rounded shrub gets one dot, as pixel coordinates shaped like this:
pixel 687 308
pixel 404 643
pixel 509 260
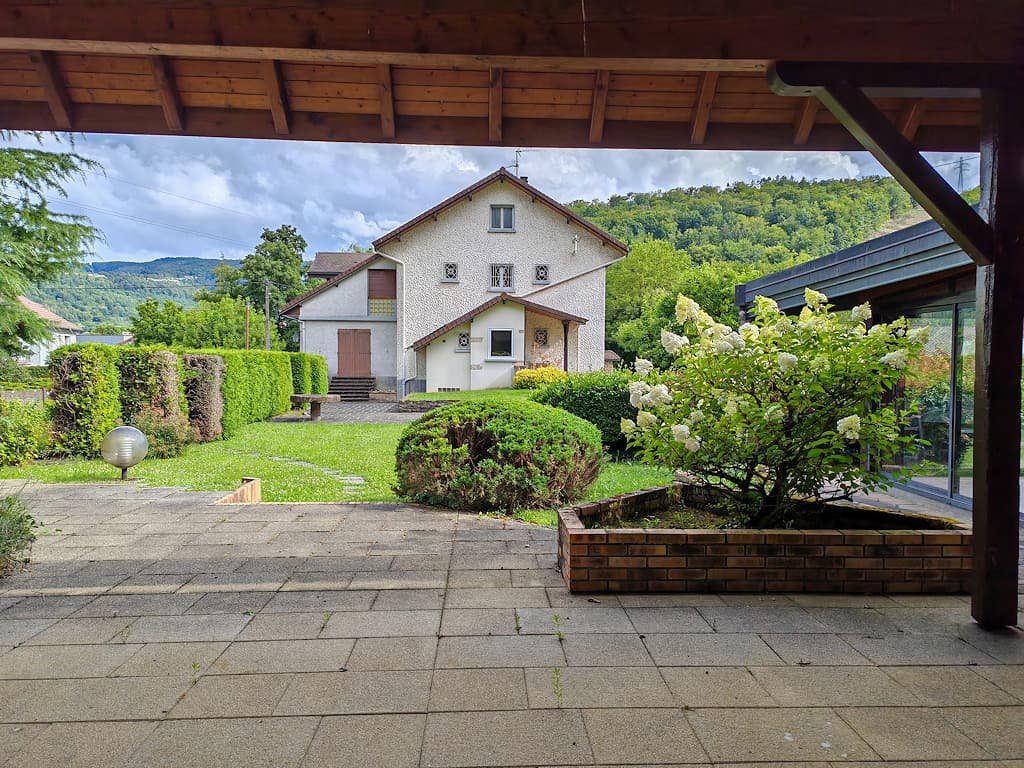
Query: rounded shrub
pixel 599 397
pixel 497 455
pixel 24 432
pixel 531 378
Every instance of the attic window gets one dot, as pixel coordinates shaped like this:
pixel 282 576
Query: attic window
pixel 502 218
pixel 541 273
pixel 462 343
pixel 450 272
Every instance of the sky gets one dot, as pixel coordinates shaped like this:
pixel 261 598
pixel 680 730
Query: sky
pixel 181 196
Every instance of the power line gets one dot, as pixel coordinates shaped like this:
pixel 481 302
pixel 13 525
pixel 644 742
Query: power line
pixel 175 194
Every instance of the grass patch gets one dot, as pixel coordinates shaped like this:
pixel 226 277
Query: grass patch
pixel 474 394
pixel 17 532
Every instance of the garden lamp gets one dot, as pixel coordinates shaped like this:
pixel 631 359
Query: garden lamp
pixel 124 447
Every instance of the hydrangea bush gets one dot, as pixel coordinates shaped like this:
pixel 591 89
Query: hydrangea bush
pixel 780 411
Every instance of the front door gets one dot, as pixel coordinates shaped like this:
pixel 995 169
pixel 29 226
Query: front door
pixel 354 353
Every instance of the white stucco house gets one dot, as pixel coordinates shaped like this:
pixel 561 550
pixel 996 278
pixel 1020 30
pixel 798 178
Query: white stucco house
pixel 63 332
pixel 496 277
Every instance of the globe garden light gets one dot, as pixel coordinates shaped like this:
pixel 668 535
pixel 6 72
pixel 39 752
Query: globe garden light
pixel 124 447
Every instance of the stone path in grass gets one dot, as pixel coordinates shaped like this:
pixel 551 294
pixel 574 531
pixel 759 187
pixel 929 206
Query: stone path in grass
pixel 156 630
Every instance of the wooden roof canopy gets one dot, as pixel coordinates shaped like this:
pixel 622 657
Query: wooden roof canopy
pixel 559 73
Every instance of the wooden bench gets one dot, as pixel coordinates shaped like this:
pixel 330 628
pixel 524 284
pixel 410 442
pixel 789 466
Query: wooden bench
pixel 315 401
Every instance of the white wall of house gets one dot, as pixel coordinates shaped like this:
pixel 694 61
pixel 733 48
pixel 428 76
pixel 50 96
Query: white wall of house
pixel 447 367
pixel 488 372
pixel 321 337
pixel 583 296
pixel 39 353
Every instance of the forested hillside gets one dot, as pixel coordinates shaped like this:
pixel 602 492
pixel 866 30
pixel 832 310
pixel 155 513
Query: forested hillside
pixel 702 241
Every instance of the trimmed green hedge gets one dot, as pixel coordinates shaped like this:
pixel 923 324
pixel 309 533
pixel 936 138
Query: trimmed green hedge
pixel 600 398
pixel 86 397
pixel 318 374
pixel 497 455
pixel 24 432
pixel 302 373
pixel 153 397
pixel 257 385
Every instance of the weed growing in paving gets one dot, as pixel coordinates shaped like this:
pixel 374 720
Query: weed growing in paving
pixel 17 532
pixel 556 620
pixel 556 685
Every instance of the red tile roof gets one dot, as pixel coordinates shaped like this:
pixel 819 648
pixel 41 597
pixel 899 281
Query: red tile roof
pixel 330 263
pixel 56 320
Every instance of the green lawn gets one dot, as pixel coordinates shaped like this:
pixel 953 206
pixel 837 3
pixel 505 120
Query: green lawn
pixel 474 394
pixel 299 461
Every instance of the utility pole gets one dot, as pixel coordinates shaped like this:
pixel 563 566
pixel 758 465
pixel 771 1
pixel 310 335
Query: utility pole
pixel 266 313
pixel 247 304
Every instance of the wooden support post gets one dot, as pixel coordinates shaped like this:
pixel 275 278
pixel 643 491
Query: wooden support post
pixel 169 100
pixel 277 97
pixel 53 88
pixel 997 398
pixel 910 119
pixel 702 109
pixel 599 105
pixel 387 101
pixel 495 101
pixel 804 122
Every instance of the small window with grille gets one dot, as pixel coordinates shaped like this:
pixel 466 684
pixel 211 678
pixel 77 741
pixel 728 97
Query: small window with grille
pixel 462 343
pixel 502 218
pixel 540 337
pixel 501 277
pixel 450 272
pixel 541 273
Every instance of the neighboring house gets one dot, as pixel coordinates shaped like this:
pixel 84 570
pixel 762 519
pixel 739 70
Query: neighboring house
pixel 497 277
pixel 64 332
pixel 113 339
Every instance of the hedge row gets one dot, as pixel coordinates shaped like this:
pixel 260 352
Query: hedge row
pixel 256 386
pixel 153 398
pixel 86 397
pixel 309 373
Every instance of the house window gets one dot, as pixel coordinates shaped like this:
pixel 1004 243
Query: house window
pixel 540 337
pixel 501 343
pixel 502 218
pixel 380 292
pixel 450 272
pixel 462 343
pixel 541 273
pixel 501 277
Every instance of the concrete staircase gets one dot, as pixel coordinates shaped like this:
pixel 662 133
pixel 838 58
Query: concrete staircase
pixel 350 388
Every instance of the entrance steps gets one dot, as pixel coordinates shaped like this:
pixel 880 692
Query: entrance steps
pixel 351 388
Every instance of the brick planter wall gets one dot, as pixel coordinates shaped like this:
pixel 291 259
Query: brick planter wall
pixel 422 406
pixel 754 560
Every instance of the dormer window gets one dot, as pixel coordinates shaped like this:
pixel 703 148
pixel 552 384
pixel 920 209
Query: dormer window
pixel 503 218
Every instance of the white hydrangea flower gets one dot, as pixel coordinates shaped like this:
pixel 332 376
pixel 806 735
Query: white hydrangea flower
pixel 849 427
pixel 774 412
pixel 735 340
pixel 764 306
pixel 787 361
pixel 806 315
pixel 749 331
pixel 730 408
pixel 627 425
pixel 660 394
pixel 895 359
pixel 646 419
pixel 687 310
pixel 722 346
pixel 696 415
pixel 642 366
pixel 692 444
pixel 861 313
pixel 919 334
pixel 879 330
pixel 680 432
pixel 673 342
pixel 639 387
pixel 814 299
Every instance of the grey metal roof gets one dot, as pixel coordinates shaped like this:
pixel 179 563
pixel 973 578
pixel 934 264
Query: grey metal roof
pixel 918 251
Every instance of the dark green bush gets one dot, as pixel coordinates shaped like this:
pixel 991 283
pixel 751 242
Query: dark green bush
pixel 17 532
pixel 153 398
pixel 86 397
pixel 318 374
pixel 497 455
pixel 600 398
pixel 204 375
pixel 31 376
pixel 257 385
pixel 302 372
pixel 24 432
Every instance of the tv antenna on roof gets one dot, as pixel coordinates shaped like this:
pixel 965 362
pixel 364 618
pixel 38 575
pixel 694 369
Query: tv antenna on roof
pixel 519 153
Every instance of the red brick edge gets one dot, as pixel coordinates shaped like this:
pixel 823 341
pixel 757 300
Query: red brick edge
pixel 249 492
pixel 755 560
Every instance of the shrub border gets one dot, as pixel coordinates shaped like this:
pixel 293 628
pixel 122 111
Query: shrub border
pixel 754 560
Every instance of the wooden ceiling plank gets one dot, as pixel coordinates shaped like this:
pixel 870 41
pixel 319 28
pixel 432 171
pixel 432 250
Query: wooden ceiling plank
pixel 170 102
pixel 599 105
pixel 910 119
pixel 702 110
pixel 277 96
pixel 495 100
pixel 805 120
pixel 53 87
pixel 385 94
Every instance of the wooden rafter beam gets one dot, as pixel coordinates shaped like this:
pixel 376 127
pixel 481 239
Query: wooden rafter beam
pixel 910 119
pixel 907 80
pixel 53 88
pixel 495 99
pixel 599 105
pixel 702 109
pixel 804 123
pixel 277 97
pixel 386 95
pixel 170 102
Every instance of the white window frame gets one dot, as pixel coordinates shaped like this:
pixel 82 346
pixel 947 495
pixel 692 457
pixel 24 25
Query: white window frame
pixel 469 342
pixel 547 272
pixel 510 271
pixel 444 272
pixel 512 218
pixel 511 344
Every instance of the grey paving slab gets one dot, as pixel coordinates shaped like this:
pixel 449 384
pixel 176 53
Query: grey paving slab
pixel 951 686
pixel 715 687
pixel 399 580
pixel 16 737
pixel 593 687
pixel 409 599
pixel 783 735
pixel 169 659
pixel 606 650
pixel 231 696
pixel 849 619
pixel 573 620
pixel 709 650
pixel 74 631
pixel 285 626
pixel 392 653
pixel 912 733
pixel 530 597
pixel 999 730
pixel 335 693
pixel 1008 678
pixel 14 631
pixel 170 629
pixel 81 745
pixel 262 657
pixel 499 651
pixel 44 607
pixel 253 742
pixel 832 686
pixel 479 621
pixel 367 741
pixel 760 618
pixel 469 739
pixel 482 579
pixel 918 649
pixel 137 605
pixel 644 736
pixel 808 648
pixel 230 602
pixel 474 690
pixel 26 701
pixel 651 620
pixel 383 624
pixel 41 661
pixel 319 601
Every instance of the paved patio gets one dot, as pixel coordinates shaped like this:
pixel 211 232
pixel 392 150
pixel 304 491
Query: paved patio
pixel 155 630
pixel 361 412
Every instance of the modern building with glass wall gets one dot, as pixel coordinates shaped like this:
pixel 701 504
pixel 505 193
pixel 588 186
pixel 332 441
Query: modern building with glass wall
pixel 919 273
